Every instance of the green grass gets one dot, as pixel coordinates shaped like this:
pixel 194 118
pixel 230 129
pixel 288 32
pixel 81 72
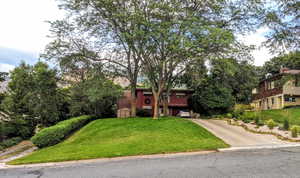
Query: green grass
pixel 123 137
pixel 291 114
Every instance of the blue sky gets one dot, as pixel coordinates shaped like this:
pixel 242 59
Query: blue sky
pixel 23 32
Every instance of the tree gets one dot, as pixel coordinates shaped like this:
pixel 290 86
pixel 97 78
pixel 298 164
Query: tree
pixel 32 95
pixel 290 60
pixel 211 98
pixel 282 17
pixel 238 76
pixel 94 96
pixel 105 40
pixel 163 36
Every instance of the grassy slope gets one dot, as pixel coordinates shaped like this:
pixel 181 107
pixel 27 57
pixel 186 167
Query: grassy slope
pixel 123 137
pixel 292 114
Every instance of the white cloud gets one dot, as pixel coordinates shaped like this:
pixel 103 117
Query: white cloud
pixel 23 25
pixel 6 67
pixel 261 54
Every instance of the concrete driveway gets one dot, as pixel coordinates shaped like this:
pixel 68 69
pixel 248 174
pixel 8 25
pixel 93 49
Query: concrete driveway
pixel 237 136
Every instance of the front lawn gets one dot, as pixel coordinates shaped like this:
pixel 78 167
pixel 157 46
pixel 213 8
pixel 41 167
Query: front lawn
pixel 124 137
pixel 279 115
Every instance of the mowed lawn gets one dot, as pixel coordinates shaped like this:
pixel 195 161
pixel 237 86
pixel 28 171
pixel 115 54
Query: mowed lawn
pixel 279 115
pixel 107 138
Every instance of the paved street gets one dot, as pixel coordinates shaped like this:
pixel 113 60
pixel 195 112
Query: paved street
pixel 237 136
pixel 283 162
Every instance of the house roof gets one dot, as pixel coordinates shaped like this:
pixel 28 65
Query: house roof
pixel 174 89
pixel 283 71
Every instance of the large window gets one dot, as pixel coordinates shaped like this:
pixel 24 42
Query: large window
pixel 290 99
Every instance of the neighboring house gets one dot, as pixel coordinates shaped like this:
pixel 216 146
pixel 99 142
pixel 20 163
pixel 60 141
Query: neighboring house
pixel 278 91
pixel 178 100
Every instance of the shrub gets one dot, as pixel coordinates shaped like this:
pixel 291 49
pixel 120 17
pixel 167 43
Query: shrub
pixel 295 129
pixel 229 115
pixel 256 120
pixel 286 124
pixel 143 113
pixel 271 124
pixel 55 134
pixel 211 98
pixel 10 142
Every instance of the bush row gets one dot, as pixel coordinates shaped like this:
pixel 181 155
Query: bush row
pixel 55 134
pixel 10 142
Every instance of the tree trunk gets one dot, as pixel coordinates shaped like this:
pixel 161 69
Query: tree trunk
pixel 133 103
pixel 166 104
pixel 156 105
pixel 166 107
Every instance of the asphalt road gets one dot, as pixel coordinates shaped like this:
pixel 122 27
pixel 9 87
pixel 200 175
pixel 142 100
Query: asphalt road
pixel 283 162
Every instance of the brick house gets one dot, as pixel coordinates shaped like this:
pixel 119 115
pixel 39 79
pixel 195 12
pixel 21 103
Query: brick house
pixel 178 100
pixel 276 92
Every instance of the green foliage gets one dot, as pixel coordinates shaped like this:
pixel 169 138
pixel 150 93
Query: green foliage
pixel 286 124
pixel 256 120
pixel 143 113
pixel 271 124
pixel 10 142
pixel 295 130
pixel 291 60
pixel 279 115
pixel 211 99
pixel 55 134
pixel 33 95
pixel 282 17
pixel 229 115
pixel 95 96
pixel 238 76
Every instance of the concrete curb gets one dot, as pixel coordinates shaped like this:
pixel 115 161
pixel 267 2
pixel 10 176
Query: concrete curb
pixel 257 147
pixel 69 163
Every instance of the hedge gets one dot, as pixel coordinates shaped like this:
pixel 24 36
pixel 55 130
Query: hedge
pixel 55 134
pixel 10 142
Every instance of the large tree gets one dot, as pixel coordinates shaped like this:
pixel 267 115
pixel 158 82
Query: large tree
pixel 282 17
pixel 32 95
pixel 290 60
pixel 96 32
pixel 162 37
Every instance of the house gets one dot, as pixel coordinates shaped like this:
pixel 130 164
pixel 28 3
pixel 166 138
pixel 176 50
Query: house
pixel 278 91
pixel 177 100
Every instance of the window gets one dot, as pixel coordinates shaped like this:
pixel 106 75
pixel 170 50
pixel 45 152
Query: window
pixel 147 101
pixel 290 99
pixel 180 95
pixel 272 85
pixel 273 101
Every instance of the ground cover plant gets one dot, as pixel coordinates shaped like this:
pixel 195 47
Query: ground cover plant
pixel 292 115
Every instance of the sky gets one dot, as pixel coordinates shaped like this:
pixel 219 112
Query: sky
pixel 23 32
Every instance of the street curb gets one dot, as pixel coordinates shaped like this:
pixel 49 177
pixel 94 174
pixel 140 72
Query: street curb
pixel 99 160
pixel 258 147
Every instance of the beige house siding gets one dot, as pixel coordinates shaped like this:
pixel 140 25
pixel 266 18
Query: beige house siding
pixel 278 101
pixel 296 103
pixel 273 102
